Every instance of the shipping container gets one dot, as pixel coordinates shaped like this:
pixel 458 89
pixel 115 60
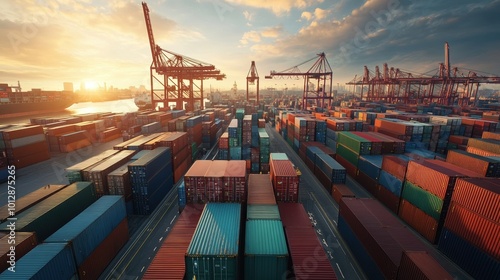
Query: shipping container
pixel 278 156
pixel 263 212
pixel 474 261
pixel 484 166
pixel 23 242
pixel 28 200
pixel 45 261
pixel 213 251
pixel 194 180
pixel 341 190
pixel 99 173
pixel 260 190
pixel 383 236
pixel 370 165
pixel 87 230
pixel 481 195
pixel 285 180
pixel 308 257
pixel 423 200
pixel 391 183
pixel 424 224
pixel 47 216
pixel 474 228
pixel 489 145
pixel 75 172
pixel 335 172
pixel 266 253
pixel 421 266
pixel 169 262
pixel 387 198
pixel 235 181
pixel 294 215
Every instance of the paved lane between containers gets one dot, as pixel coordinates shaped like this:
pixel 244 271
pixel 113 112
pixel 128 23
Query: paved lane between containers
pixel 322 211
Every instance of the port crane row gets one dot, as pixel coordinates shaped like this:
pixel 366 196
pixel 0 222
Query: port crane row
pixel 449 86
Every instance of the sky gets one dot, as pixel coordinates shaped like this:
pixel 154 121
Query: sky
pixel 46 43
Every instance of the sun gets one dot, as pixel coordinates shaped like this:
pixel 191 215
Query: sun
pixel 91 85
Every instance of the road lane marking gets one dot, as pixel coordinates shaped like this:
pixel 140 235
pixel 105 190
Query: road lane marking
pixel 160 239
pixel 340 270
pixel 155 248
pixel 355 271
pixel 173 219
pixel 143 268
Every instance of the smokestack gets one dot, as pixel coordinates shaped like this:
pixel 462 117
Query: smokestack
pixel 447 59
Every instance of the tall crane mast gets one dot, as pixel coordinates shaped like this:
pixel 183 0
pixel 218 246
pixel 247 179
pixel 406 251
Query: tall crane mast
pixel 317 81
pixel 179 78
pixel 253 80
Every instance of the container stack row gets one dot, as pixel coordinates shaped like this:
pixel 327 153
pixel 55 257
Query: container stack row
pixel 23 146
pixel 285 179
pixel 216 181
pixel 383 246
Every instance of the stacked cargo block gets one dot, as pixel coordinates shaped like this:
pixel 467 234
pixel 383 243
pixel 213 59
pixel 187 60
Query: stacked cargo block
pixel 95 236
pixel 99 173
pixel 235 137
pixel 246 141
pixel 470 236
pixel 74 173
pixel 379 241
pixel 264 150
pixel 285 180
pixel 426 195
pixel 152 179
pixel 224 146
pixel 24 146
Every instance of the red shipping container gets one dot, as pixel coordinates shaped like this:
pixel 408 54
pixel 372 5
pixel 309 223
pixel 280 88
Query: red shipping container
pixel 483 166
pixel 215 180
pixel 476 229
pixel 349 167
pixel 341 190
pixel 260 190
pixel 180 170
pixel 224 141
pixel 21 162
pixel 294 215
pixel 387 198
pixel 477 151
pixel 99 259
pixel 285 180
pixel 194 180
pixel 395 166
pixel 63 129
pixel 490 135
pixel 20 132
pixel 235 181
pixel 308 257
pixel 367 182
pixel 481 195
pixel 419 220
pixel 421 266
pixel 27 150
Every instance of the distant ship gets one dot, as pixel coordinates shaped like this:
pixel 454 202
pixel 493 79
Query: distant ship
pixel 143 101
pixel 13 101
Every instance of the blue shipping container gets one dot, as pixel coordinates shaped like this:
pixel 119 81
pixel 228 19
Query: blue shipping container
pixel 370 165
pixel 390 182
pixel 87 230
pixel 45 261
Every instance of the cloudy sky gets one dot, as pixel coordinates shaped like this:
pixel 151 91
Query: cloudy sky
pixel 48 42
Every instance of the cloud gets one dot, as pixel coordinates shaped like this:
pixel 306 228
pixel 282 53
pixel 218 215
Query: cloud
pixel 307 15
pixel 272 32
pixel 251 36
pixel 320 13
pixel 278 7
pixel 248 16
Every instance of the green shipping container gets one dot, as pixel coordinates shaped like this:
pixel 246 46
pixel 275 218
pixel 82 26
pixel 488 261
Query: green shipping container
pixel 348 154
pixel 423 200
pixel 47 216
pixel 213 251
pixel 354 142
pixel 266 253
pixel 263 212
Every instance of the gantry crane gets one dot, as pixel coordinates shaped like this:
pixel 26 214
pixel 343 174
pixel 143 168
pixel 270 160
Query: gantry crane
pixel 449 86
pixel 317 81
pixel 253 80
pixel 176 75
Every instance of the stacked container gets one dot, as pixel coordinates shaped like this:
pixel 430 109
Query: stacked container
pixel 99 173
pixel 214 249
pixel 285 180
pixel 309 261
pixel 377 239
pixel 88 233
pixel 74 173
pixel 265 149
pixel 24 146
pixel 47 216
pixel 24 242
pixel 224 146
pixel 484 166
pixel 169 262
pixel 152 179
pixel 234 131
pixel 426 195
pixel 470 236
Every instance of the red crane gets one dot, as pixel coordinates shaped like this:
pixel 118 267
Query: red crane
pixel 253 80
pixel 174 77
pixel 317 81
pixel 449 86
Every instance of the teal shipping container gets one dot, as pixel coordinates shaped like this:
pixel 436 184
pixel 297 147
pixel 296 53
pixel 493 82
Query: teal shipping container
pixel 266 253
pixel 263 212
pixel 45 261
pixel 87 230
pixel 47 216
pixel 213 251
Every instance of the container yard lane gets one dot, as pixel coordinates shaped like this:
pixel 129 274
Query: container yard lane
pixel 322 211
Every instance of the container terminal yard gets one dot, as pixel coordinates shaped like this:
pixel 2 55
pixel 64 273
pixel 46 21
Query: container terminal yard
pixel 399 180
